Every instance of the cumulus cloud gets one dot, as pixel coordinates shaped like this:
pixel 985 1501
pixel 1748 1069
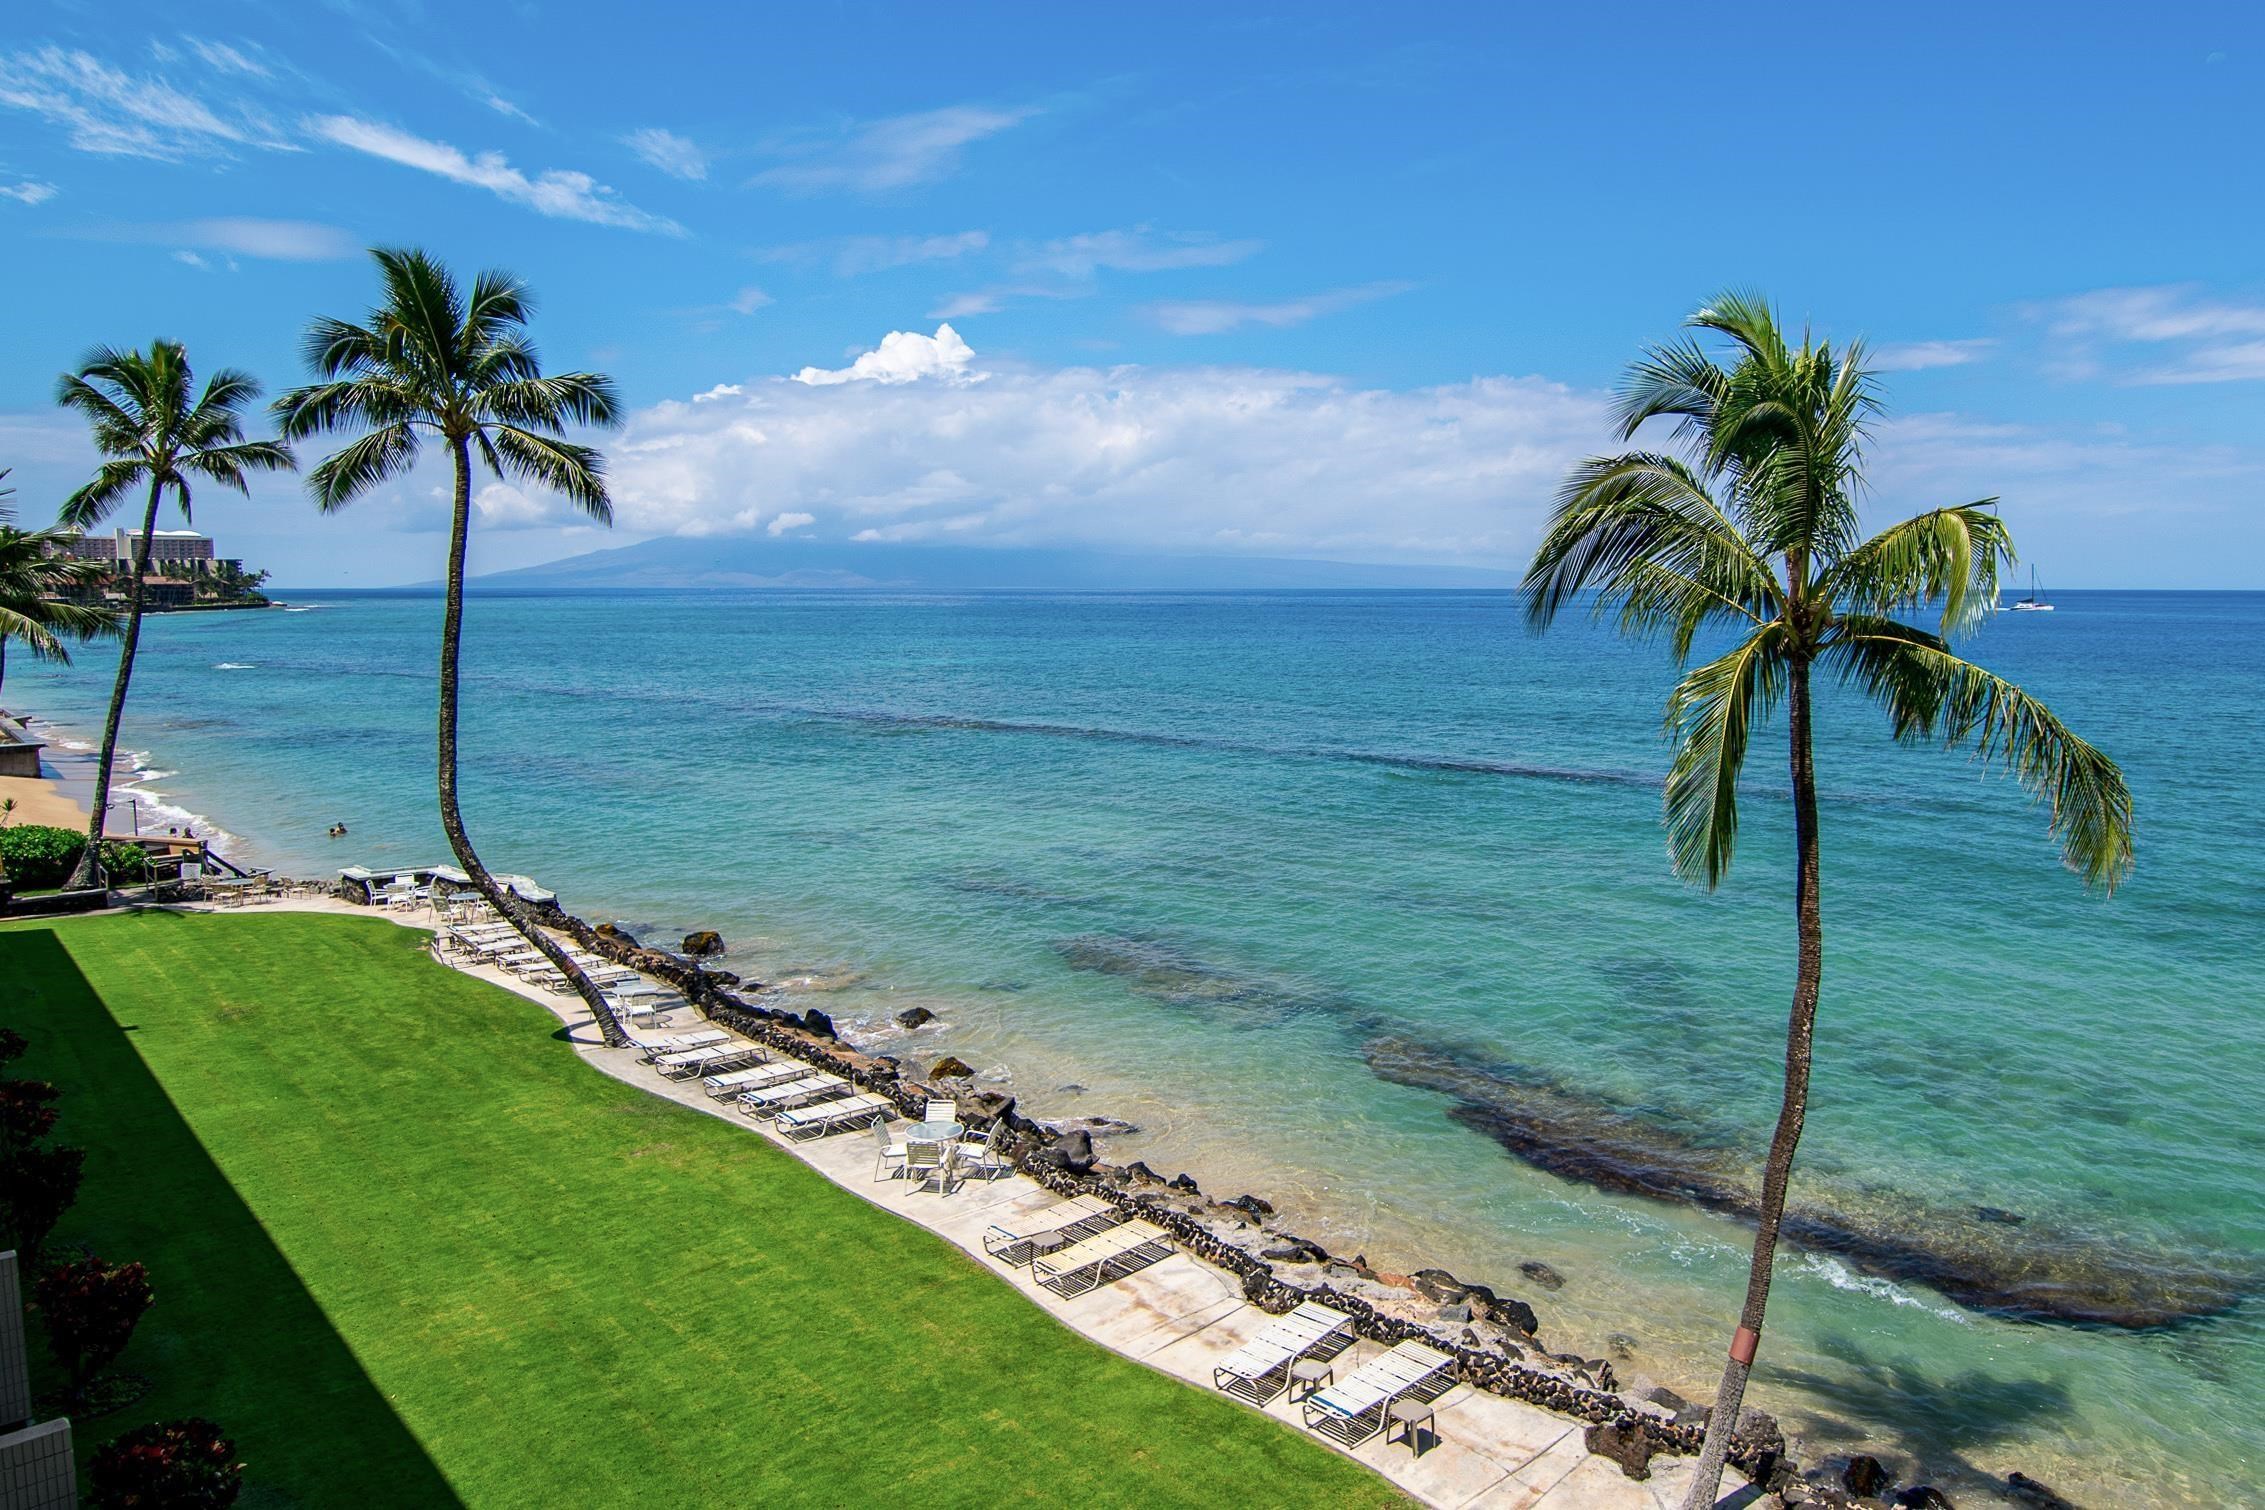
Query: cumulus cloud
pixel 1919 356
pixel 787 522
pixel 677 156
pixel 1204 317
pixel 904 356
pixel 109 111
pixel 29 192
pixel 1203 460
pixel 561 193
pixel 893 153
pixel 188 258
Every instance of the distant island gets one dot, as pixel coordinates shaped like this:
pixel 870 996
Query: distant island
pixel 185 573
pixel 742 562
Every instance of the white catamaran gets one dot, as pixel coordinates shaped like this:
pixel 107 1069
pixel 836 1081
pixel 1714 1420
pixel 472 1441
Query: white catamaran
pixel 2035 602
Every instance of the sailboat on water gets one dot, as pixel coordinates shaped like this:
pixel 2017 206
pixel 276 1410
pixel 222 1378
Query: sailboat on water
pixel 2035 602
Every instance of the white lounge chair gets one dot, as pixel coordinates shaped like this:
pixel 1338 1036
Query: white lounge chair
pixel 1074 1220
pixel 1102 1259
pixel 761 1077
pixel 1354 1409
pixel 652 1048
pixel 777 1098
pixel 1260 1369
pixel 713 1059
pixel 831 1116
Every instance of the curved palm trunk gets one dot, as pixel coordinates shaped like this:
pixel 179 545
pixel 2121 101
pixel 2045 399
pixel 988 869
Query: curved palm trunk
pixel 89 872
pixel 451 818
pixel 1800 1029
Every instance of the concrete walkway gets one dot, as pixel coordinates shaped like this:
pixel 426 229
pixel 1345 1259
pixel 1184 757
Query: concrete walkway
pixel 1179 1316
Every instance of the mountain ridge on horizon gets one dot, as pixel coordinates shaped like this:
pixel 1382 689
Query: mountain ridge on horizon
pixel 710 562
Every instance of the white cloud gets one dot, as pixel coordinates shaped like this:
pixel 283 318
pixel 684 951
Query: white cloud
pixel 1201 460
pixel 504 506
pixel 904 356
pixel 893 153
pixel 106 110
pixel 30 192
pixel 720 391
pixel 1138 250
pixel 504 107
pixel 674 155
pixel 1919 356
pixel 276 240
pixel 852 255
pixel 188 258
pixel 1203 317
pixel 2174 334
pixel 557 192
pixel 750 299
pixel 1927 460
pixel 785 522
pixel 222 58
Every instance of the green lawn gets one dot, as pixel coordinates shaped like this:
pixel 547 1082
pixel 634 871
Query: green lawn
pixel 409 1251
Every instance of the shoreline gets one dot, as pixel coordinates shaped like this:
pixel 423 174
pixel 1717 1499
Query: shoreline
pixel 1597 1320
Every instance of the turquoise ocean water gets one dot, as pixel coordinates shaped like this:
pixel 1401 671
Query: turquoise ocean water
pixel 1188 859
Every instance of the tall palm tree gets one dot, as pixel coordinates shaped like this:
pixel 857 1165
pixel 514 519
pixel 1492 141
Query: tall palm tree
pixel 155 432
pixel 1752 532
pixel 37 571
pixel 429 362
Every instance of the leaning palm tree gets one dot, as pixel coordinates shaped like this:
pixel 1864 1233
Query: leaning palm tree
pixel 430 362
pixel 38 578
pixel 1751 532
pixel 155 432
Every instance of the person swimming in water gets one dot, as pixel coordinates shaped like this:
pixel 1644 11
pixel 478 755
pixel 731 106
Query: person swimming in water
pixel 338 831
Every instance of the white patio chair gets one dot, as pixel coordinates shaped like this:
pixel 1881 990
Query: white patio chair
pixel 941 1111
pixel 931 1163
pixel 986 1156
pixel 888 1158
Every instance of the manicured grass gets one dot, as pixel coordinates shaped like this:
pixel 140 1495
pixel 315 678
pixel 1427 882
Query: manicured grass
pixel 409 1251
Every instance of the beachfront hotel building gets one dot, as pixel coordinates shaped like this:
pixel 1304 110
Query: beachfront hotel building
pixel 169 550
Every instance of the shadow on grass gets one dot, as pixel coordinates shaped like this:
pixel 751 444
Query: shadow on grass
pixel 234 1335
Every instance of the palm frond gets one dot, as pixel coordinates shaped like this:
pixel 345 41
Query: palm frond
pixel 424 306
pixel 227 465
pixel 1931 693
pixel 551 403
pixel 1676 379
pixel 362 464
pixel 576 471
pixel 1615 513
pixel 1711 716
pixel 93 500
pixel 1951 554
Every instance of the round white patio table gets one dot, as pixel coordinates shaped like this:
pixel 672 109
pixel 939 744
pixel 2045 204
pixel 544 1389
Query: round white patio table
pixel 933 1132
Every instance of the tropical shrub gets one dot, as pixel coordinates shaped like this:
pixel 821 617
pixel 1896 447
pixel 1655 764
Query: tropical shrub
pixel 37 1185
pixel 12 1045
pixel 36 855
pixel 166 1465
pixel 26 1114
pixel 90 1309
pixel 123 862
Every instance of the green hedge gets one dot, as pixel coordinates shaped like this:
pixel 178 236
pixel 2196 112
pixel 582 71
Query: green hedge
pixel 36 857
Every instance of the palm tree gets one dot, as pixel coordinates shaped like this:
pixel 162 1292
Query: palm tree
pixel 37 571
pixel 428 362
pixel 1753 531
pixel 155 432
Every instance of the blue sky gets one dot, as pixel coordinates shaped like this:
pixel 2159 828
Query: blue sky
pixel 1323 281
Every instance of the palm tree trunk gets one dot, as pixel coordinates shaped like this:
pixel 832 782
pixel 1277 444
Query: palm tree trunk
pixel 89 872
pixel 1800 1030
pixel 451 818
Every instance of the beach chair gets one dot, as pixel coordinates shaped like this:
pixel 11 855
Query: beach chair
pixel 813 1086
pixel 650 1049
pixel 734 1083
pixel 888 1158
pixel 1102 1259
pixel 1354 1410
pixel 939 1110
pixel 830 1116
pixel 1260 1369
pixel 1074 1220
pixel 710 1059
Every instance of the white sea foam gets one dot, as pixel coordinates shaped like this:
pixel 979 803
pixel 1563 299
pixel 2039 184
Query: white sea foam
pixel 235 666
pixel 1837 1274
